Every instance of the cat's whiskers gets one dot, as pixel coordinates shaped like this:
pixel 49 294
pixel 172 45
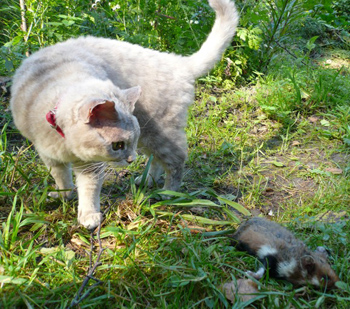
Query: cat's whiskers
pixel 145 125
pixel 93 168
pixel 83 84
pixel 110 170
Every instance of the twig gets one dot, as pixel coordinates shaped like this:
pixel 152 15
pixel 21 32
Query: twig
pixel 165 16
pixel 24 22
pixel 92 268
pixel 290 53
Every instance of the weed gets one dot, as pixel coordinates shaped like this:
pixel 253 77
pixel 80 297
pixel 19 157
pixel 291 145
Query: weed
pixel 278 147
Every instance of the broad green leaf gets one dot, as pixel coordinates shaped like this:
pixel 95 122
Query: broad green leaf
pixel 342 285
pixel 235 205
pixel 12 280
pixel 278 164
pixel 193 218
pixel 231 215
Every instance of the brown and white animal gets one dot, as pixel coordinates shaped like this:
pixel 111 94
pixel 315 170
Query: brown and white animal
pixel 88 89
pixel 283 254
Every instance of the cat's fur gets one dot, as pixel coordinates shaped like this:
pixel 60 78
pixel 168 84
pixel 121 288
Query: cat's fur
pixel 88 68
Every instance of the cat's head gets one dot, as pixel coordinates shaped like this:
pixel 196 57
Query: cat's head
pixel 105 129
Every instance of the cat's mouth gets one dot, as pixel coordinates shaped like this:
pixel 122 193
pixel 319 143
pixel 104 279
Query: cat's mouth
pixel 118 163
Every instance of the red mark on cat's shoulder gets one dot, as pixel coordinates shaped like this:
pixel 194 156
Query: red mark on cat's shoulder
pixel 51 119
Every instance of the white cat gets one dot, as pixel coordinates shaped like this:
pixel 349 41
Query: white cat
pixel 80 82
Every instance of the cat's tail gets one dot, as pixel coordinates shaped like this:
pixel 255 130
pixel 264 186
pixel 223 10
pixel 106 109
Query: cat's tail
pixel 218 40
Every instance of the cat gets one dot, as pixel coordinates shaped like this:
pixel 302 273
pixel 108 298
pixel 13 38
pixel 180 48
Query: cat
pixel 89 90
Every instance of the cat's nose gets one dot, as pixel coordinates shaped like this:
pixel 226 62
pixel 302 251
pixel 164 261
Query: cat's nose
pixel 130 159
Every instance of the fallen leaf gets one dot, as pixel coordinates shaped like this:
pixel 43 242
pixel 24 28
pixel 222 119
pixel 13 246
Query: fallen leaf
pixel 313 119
pixel 295 143
pixel 51 250
pixel 268 192
pixel 335 171
pixel 262 129
pixel 325 123
pixel 304 95
pixel 78 242
pixel 69 256
pixel 123 173
pixel 194 229
pixel 198 210
pixel 244 289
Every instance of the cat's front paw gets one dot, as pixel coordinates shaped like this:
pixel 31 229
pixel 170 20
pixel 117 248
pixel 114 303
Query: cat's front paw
pixel 149 181
pixel 91 220
pixel 67 195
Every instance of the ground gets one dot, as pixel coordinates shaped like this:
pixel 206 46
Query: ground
pixel 249 153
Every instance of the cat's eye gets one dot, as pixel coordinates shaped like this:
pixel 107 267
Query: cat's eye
pixel 118 146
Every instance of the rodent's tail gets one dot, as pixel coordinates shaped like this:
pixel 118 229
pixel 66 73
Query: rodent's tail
pixel 218 40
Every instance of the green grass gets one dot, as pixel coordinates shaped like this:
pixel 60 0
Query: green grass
pixel 280 148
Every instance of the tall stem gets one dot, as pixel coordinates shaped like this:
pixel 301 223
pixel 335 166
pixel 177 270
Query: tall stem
pixel 24 21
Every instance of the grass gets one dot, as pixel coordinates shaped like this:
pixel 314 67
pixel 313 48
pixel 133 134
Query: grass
pixel 278 149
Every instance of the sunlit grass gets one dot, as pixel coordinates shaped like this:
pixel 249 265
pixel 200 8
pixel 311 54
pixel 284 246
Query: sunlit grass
pixel 288 162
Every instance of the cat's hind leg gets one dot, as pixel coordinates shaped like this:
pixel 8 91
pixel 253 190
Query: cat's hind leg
pixel 89 180
pixel 170 152
pixel 172 156
pixel 153 176
pixel 62 174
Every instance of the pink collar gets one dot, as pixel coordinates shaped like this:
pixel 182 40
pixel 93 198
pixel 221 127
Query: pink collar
pixel 51 119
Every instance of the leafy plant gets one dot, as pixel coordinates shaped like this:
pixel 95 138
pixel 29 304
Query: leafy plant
pixel 282 14
pixel 277 147
pixel 164 26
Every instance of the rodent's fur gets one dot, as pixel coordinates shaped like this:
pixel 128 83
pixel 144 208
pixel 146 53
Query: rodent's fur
pixel 283 254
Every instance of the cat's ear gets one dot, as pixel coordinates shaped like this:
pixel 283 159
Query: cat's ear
pixel 131 95
pixel 97 112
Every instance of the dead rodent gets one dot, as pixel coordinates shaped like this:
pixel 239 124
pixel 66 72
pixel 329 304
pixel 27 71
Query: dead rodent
pixel 283 254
